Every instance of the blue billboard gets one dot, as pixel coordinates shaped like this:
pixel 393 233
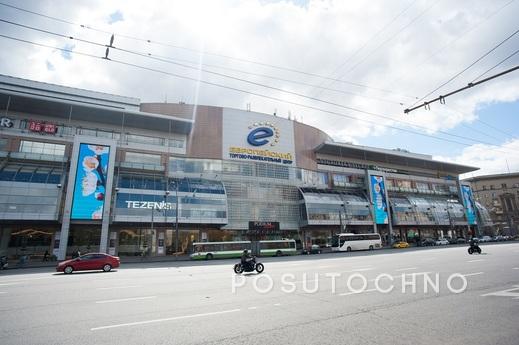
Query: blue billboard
pixel 90 183
pixel 378 191
pixel 468 200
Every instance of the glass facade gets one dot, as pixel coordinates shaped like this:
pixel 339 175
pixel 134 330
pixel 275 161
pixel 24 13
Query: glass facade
pixel 42 148
pixel 326 208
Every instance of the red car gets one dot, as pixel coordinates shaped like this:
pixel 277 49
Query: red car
pixel 90 261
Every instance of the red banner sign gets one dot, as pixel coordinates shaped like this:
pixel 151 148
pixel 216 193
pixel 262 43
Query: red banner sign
pixel 36 126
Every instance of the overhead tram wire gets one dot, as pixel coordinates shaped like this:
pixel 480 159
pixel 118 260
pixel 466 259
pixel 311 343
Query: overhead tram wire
pixel 496 65
pixel 384 28
pixel 245 81
pixel 207 53
pixel 439 50
pixel 360 62
pixel 484 123
pixel 469 85
pixel 465 69
pixel 247 92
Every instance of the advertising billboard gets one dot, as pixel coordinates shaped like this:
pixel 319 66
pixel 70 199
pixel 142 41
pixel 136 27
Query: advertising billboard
pixel 468 200
pixel 90 183
pixel 378 191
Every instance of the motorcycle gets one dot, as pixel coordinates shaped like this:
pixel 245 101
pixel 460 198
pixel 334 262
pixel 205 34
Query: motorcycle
pixel 250 267
pixel 3 263
pixel 474 248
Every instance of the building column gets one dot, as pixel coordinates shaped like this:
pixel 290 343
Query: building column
pixel 5 237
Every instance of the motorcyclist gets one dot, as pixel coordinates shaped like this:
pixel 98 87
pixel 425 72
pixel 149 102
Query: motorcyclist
pixel 473 242
pixel 246 258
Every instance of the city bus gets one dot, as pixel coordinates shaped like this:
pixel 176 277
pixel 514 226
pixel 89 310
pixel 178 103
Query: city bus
pixel 277 247
pixel 348 242
pixel 219 250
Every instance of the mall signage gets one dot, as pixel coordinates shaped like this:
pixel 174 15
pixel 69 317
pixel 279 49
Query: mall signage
pixel 263 228
pixel 42 127
pixel 6 122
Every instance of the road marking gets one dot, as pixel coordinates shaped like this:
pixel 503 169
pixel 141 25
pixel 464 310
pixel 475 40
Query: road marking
pixel 428 259
pixel 505 293
pixel 406 269
pixel 363 269
pixel 515 268
pixel 400 275
pixel 327 266
pixel 8 284
pixel 119 287
pixel 356 293
pixel 165 320
pixel 477 260
pixel 252 308
pixel 472 274
pixel 2 292
pixel 277 304
pixel 125 299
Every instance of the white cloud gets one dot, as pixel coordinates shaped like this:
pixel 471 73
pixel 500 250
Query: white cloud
pixel 316 38
pixel 490 159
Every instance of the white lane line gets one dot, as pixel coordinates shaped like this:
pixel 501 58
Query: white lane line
pixel 118 287
pixel 326 266
pixel 356 293
pixel 277 304
pixel 363 269
pixel 165 320
pixel 125 299
pixel 252 308
pixel 472 274
pixel 515 268
pixel 477 260
pixel 400 275
pixel 406 269
pixel 2 292
pixel 8 284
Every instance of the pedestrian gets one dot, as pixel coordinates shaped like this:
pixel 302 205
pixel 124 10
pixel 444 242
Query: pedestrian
pixel 46 256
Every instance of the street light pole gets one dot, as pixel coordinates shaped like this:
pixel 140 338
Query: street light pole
pixel 176 218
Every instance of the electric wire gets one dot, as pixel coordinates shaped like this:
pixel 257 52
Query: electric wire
pixel 247 92
pixel 159 43
pixel 147 55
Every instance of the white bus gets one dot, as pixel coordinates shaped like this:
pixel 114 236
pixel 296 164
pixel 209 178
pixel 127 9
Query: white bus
pixel 348 242
pixel 219 250
pixel 277 247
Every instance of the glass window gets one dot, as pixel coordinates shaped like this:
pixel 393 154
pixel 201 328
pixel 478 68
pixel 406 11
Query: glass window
pixel 3 144
pixel 143 139
pixel 137 157
pixel 42 148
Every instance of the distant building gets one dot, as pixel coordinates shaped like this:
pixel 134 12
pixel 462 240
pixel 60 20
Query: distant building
pixel 499 194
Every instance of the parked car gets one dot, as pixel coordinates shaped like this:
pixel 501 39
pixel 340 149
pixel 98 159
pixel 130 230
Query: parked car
pixel 461 240
pixel 428 242
pixel 485 239
pixel 498 238
pixel 88 262
pixel 441 242
pixel 401 244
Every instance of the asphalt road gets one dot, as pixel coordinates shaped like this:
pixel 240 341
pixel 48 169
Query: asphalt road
pixel 194 303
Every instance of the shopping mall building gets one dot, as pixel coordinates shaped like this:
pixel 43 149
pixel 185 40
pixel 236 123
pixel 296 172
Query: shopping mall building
pixel 100 172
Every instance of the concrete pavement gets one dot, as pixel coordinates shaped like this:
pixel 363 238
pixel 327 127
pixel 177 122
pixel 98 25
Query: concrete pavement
pixel 193 303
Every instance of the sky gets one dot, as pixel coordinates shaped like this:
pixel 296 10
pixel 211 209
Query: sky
pixel 349 68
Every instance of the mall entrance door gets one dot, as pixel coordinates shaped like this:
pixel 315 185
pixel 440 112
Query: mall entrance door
pixel 185 239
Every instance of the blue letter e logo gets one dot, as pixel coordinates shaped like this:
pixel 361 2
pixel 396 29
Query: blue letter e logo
pixel 257 136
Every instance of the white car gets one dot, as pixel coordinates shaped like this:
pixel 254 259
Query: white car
pixel 441 242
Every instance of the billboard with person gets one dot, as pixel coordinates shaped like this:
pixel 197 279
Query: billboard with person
pixel 378 191
pixel 90 183
pixel 468 200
